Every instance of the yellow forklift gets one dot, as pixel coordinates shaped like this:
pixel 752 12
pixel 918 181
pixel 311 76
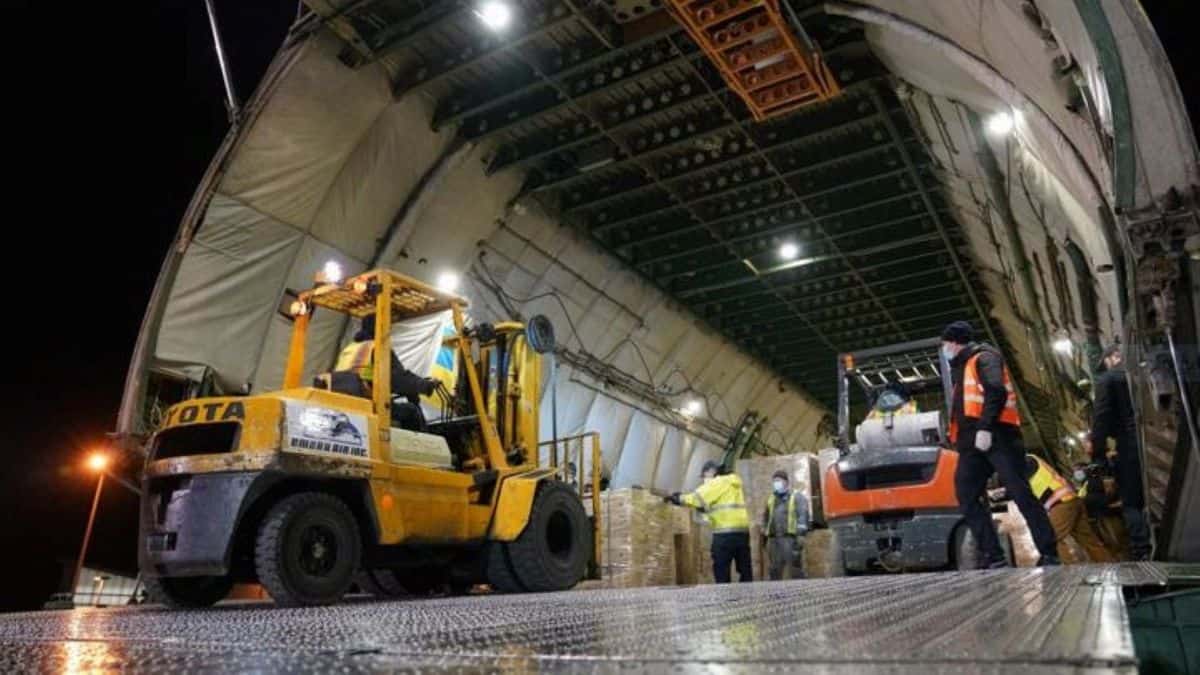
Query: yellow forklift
pixel 309 489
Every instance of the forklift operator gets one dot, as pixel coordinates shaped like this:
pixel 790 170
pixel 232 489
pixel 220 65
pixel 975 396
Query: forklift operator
pixel 357 358
pixel 894 399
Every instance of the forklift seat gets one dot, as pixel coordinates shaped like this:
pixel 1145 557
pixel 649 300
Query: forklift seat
pixel 342 382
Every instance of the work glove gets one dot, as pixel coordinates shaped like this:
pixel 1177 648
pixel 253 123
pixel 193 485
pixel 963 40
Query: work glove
pixel 673 499
pixel 983 440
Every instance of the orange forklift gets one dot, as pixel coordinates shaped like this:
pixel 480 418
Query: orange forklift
pixel 890 498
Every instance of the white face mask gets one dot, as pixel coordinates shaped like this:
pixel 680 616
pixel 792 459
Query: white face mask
pixel 707 475
pixel 949 351
pixel 1080 475
pixel 780 486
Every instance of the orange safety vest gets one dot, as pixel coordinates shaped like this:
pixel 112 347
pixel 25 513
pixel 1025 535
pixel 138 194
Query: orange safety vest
pixel 1048 485
pixel 972 393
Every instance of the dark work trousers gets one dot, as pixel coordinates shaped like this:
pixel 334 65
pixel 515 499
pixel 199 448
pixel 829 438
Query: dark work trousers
pixel 1007 458
pixel 727 548
pixel 1133 499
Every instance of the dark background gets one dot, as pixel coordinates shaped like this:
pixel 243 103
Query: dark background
pixel 114 121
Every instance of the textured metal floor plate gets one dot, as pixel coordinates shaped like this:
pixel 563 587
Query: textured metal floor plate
pixel 1067 619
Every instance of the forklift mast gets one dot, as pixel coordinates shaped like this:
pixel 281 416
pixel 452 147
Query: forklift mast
pixel 918 365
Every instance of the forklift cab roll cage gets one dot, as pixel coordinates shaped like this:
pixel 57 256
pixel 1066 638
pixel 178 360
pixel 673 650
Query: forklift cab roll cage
pixel 918 365
pixel 392 298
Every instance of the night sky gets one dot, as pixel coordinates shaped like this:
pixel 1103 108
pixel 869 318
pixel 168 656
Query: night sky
pixel 116 119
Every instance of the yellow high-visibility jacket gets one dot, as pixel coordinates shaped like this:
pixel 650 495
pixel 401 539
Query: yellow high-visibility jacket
pixel 722 500
pixel 356 357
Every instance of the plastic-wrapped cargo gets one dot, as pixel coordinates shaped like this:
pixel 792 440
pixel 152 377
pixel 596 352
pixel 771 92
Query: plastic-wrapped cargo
pixel 648 542
pixel 820 560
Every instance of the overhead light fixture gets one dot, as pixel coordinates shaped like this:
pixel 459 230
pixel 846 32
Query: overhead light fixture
pixel 1081 435
pixel 693 408
pixel 494 14
pixel 448 282
pixel 1000 124
pixel 788 251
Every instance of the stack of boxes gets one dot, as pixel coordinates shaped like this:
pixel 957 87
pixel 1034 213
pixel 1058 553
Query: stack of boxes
pixel 648 542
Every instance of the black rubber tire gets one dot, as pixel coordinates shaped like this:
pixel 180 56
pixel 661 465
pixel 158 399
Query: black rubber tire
pixel 500 574
pixel 380 583
pixel 187 592
pixel 278 552
pixel 552 552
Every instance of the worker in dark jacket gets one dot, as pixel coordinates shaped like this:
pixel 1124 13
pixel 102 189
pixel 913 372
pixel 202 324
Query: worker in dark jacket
pixel 1113 418
pixel 985 428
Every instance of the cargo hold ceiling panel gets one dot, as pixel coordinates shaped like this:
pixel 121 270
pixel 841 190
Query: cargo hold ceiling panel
pixel 816 231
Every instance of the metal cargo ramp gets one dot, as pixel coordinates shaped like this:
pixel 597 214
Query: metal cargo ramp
pixel 1056 620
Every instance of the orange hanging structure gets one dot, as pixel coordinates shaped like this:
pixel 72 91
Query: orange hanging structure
pixel 758 53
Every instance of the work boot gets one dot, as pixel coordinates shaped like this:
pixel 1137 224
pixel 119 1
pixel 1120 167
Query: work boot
pixel 1049 561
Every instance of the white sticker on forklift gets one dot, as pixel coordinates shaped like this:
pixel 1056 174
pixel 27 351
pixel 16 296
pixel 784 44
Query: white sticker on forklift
pixel 316 429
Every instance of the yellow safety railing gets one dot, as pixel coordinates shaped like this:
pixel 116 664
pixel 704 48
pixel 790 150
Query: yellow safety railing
pixel 561 452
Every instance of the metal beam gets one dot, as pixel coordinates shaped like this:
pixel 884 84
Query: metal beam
pixel 596 137
pixel 690 228
pixel 435 16
pixel 722 316
pixel 699 308
pixel 615 141
pixel 863 318
pixel 562 103
pixel 806 210
pixel 678 60
pixel 583 66
pixel 730 126
pixel 850 331
pixel 784 228
pixel 606 226
pixel 825 257
pixel 499 47
pixel 800 335
pixel 717 165
pixel 836 214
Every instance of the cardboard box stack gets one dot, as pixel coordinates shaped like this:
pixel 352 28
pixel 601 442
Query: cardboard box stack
pixel 647 542
pixel 639 547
